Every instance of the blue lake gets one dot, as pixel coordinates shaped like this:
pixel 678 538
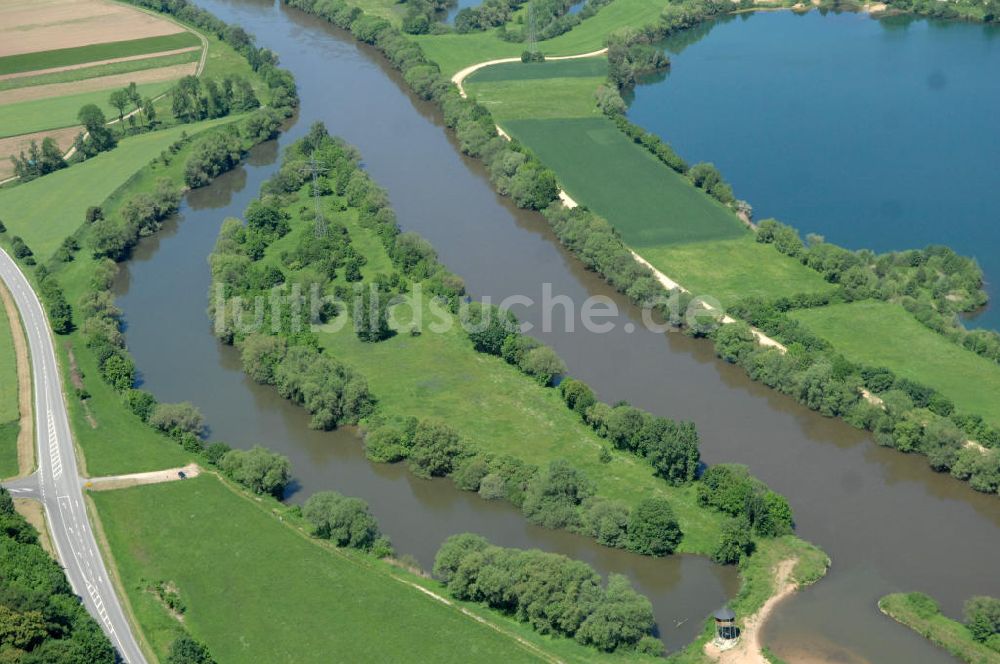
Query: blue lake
pixel 881 134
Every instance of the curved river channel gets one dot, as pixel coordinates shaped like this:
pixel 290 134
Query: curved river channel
pixel 886 520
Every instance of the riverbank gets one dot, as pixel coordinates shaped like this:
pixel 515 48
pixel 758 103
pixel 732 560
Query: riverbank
pixel 921 614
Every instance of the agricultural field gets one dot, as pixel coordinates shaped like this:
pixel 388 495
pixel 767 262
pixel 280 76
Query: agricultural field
pixel 550 107
pixel 302 605
pixel 454 51
pixel 9 412
pixel 58 55
pixel 883 334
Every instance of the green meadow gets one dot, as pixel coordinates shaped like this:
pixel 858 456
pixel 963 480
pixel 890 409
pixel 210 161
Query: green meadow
pixel 598 166
pixel 63 57
pixel 883 334
pixel 257 590
pixel 511 92
pixel 490 403
pixel 43 219
pixel 454 51
pixel 27 117
pixel 737 269
pixel 9 412
pixel 110 69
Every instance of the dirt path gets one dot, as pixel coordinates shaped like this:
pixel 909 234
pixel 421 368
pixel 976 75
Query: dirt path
pixel 749 649
pixel 26 434
pixel 136 479
pixel 462 74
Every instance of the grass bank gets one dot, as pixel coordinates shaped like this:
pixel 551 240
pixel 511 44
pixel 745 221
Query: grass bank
pixel 920 613
pixel 885 334
pixel 9 412
pixel 299 600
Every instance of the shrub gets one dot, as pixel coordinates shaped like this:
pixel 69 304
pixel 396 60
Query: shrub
pixel 552 498
pixel 344 521
pixel 435 449
pixel 653 529
pixel 177 419
pixel 258 469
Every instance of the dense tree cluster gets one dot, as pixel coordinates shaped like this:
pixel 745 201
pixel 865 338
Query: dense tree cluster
pixel 185 650
pixel 39 161
pixel 258 469
pixel 730 488
pixel 140 215
pixel 342 520
pixel 194 98
pixel 552 593
pixel 495 331
pixel 982 617
pixel 96 137
pixel 41 619
pixel 670 447
pixel 58 309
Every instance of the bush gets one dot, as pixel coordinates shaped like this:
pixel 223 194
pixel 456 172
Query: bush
pixel 488 326
pixel 653 529
pixel 982 617
pixel 385 444
pixel 258 469
pixel 552 593
pixel 177 419
pixel 735 542
pixel 344 521
pixel 435 449
pixel 552 497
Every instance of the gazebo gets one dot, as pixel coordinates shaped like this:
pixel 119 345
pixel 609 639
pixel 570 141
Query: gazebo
pixel 726 632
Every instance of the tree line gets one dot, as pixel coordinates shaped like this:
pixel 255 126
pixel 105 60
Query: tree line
pixel 551 593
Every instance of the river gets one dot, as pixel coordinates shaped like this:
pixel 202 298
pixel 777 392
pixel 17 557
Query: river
pixel 887 521
pixel 876 134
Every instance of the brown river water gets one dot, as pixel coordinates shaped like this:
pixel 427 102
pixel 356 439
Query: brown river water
pixel 888 523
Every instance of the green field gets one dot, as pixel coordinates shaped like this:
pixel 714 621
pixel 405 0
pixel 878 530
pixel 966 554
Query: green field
pixel 598 166
pixel 736 269
pixel 9 413
pixel 44 218
pixel 14 64
pixel 258 591
pixel 883 334
pixel 953 636
pixel 511 91
pixel 27 117
pixel 100 70
pixel 454 51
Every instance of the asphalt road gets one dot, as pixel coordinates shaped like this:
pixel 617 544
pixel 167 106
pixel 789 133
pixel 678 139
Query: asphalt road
pixel 57 482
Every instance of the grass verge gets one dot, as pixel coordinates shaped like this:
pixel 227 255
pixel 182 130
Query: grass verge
pixel 9 412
